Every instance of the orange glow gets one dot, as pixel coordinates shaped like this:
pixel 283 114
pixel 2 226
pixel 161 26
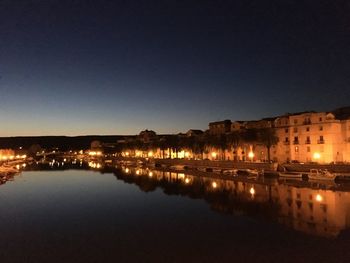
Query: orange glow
pixel 214 154
pixel 252 191
pixel 319 198
pixel 317 155
pixel 214 184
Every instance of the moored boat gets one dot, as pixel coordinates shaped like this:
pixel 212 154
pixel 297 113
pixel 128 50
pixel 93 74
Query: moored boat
pixel 318 174
pixel 249 173
pixel 290 174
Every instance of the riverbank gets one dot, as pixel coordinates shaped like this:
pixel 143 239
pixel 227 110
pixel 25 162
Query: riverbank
pixel 227 165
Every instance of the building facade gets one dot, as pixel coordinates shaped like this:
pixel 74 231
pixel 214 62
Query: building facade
pixel 312 137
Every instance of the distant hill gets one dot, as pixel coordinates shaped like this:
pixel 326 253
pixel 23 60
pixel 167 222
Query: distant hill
pixel 63 143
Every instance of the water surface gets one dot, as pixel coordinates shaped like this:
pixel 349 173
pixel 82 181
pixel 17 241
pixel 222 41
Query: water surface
pixel 138 216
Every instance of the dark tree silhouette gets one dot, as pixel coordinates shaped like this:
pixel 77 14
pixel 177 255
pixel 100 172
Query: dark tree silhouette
pixel 268 137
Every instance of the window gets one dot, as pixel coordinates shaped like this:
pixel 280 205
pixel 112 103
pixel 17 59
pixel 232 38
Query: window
pixel 308 140
pixel 307 129
pixel 296 149
pixel 321 140
pixel 321 128
pixel 320 118
pixel 286 130
pixel 295 129
pixel 296 140
pixel 286 139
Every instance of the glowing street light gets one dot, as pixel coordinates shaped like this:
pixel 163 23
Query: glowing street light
pixel 319 198
pixel 251 155
pixel 317 156
pixel 214 185
pixel 214 154
pixel 252 191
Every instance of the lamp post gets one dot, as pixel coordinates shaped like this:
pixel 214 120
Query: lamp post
pixel 251 156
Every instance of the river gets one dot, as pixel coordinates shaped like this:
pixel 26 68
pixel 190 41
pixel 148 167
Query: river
pixel 141 215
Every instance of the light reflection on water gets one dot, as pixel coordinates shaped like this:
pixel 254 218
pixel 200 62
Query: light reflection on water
pixel 87 215
pixel 316 211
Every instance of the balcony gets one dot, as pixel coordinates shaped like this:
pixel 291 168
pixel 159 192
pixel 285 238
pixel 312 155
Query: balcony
pixel 286 142
pixel 320 141
pixel 307 142
pixel 295 142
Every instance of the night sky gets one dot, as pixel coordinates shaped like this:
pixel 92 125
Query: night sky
pixel 118 67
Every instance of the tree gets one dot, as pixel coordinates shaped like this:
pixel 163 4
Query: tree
pixel 174 143
pixel 268 137
pixel 199 145
pixel 234 139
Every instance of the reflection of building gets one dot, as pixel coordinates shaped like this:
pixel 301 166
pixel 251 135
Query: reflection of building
pixel 313 211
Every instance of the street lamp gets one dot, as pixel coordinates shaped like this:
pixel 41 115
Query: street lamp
pixel 317 156
pixel 251 155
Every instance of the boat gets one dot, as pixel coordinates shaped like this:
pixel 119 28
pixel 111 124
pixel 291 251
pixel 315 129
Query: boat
pixel 178 167
pixel 249 173
pixel 290 175
pixel 318 174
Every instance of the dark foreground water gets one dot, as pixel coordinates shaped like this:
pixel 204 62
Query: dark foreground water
pixel 143 216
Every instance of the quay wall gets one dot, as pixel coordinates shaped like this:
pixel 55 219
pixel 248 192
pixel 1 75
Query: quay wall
pixel 337 168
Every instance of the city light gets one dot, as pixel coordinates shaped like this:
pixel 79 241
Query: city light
pixel 252 191
pixel 150 174
pixel 187 180
pixel 93 153
pixel 251 155
pixel 214 154
pixel 317 155
pixel 214 184
pixel 150 154
pixel 319 198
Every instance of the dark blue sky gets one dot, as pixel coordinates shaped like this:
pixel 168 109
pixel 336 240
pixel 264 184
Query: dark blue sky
pixel 117 67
